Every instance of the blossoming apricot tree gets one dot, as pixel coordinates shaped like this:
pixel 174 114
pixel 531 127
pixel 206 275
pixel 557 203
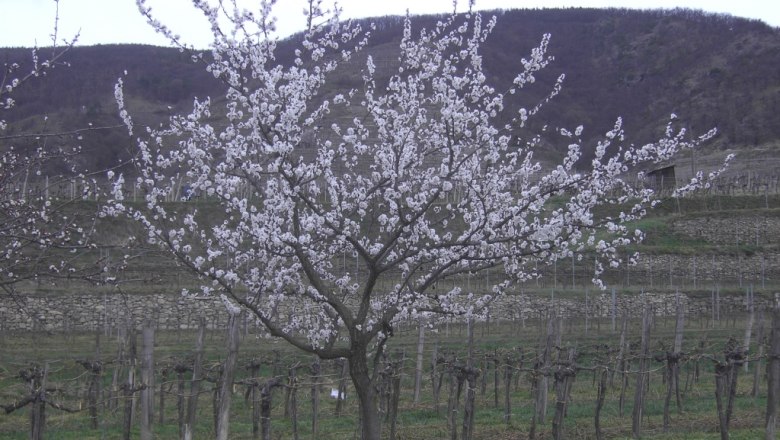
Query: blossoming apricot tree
pixel 425 177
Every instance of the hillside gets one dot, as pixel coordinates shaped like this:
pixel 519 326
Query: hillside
pixel 711 70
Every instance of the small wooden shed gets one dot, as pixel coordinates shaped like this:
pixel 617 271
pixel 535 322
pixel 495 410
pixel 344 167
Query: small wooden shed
pixel 662 179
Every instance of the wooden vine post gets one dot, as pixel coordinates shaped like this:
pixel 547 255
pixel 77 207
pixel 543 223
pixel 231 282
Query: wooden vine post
pixel 265 405
pixel 418 369
pixel 252 395
pixel 36 378
pixel 773 378
pixel 292 396
pixel 197 377
pixel 470 375
pixel 508 371
pixel 147 382
pixel 180 368
pixel 95 370
pixel 564 375
pixel 129 388
pixel 760 342
pixel 315 397
pixel 226 380
pixel 437 375
pixel 602 392
pixel 726 374
pixel 342 386
pixel 672 359
pixel 641 378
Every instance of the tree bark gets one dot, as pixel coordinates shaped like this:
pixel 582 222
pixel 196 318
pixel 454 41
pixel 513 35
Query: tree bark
pixel 366 393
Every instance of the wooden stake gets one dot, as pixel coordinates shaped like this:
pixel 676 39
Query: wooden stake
pixel 226 381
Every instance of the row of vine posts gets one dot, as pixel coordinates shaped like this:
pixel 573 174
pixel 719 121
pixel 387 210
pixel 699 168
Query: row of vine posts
pixel 133 384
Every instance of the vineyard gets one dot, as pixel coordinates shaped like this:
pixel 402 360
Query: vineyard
pixel 645 375
pixel 681 346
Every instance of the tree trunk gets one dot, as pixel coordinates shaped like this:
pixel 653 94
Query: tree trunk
pixel 367 396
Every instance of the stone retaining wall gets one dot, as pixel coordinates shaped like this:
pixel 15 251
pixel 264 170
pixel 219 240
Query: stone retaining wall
pixel 172 311
pixel 714 267
pixel 759 229
pixel 90 311
pixel 671 270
